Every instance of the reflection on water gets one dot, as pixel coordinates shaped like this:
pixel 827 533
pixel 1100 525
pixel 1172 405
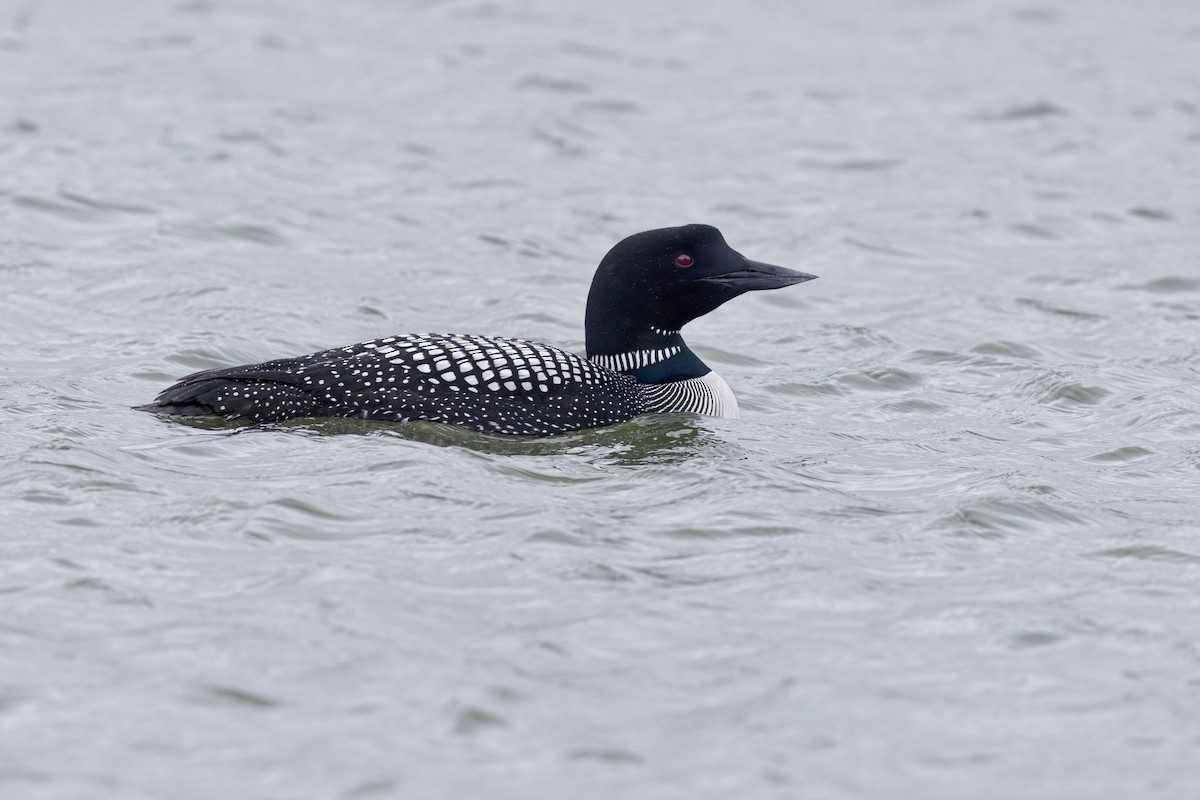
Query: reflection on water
pixel 662 438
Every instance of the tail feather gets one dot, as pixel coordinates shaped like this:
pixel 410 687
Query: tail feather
pixel 233 397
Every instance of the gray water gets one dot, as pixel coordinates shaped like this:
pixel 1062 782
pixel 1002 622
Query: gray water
pixel 950 550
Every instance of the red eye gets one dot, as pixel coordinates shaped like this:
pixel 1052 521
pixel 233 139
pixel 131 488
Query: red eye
pixel 684 260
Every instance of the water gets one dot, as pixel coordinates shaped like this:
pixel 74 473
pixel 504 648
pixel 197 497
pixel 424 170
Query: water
pixel 949 551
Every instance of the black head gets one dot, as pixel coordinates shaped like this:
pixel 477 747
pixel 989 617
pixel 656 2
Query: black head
pixel 665 278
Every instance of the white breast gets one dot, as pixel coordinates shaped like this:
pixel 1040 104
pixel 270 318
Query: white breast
pixel 709 395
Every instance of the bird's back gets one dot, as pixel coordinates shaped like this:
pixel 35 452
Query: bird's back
pixel 489 384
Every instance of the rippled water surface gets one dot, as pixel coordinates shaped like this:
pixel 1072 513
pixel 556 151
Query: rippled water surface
pixel 951 549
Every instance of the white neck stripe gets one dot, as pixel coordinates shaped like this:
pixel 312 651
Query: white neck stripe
pixel 634 359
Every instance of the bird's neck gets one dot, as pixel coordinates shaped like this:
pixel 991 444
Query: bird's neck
pixel 650 354
pixel 673 378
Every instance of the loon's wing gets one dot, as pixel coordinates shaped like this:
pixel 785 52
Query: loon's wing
pixel 489 384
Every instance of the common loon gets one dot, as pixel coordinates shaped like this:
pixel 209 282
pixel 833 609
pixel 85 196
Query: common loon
pixel 645 290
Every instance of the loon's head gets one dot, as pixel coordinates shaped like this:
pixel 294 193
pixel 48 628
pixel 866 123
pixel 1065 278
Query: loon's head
pixel 653 283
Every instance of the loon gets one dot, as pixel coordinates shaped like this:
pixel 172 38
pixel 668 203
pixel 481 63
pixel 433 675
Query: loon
pixel 645 290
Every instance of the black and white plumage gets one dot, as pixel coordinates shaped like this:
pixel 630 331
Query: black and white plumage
pixel 646 288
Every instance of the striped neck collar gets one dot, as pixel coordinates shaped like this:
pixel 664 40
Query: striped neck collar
pixel 636 359
pixel 657 356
